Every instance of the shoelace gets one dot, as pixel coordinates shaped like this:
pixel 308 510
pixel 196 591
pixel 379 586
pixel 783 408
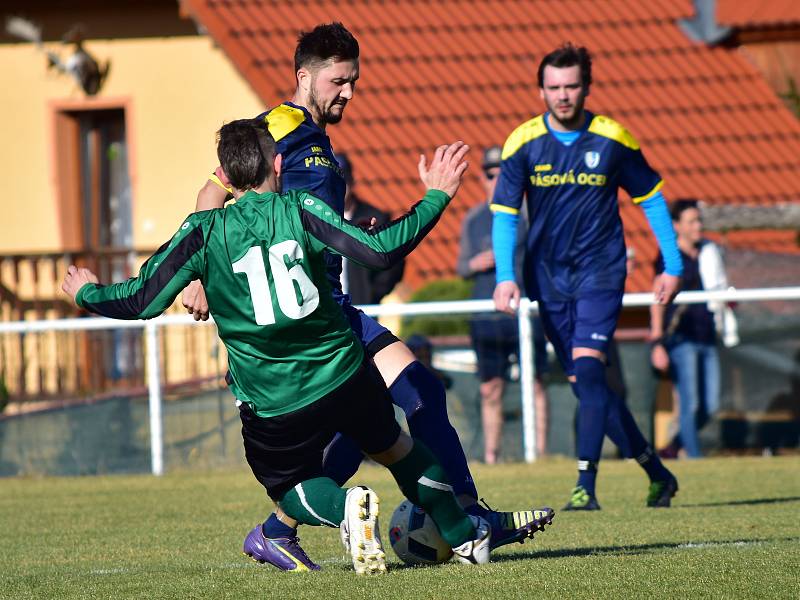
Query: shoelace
pixel 295 543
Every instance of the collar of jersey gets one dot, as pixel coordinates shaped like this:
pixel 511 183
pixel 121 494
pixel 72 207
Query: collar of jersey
pixel 586 122
pixel 253 195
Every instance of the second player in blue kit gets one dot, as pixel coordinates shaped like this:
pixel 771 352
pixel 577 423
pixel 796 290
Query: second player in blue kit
pixel 569 164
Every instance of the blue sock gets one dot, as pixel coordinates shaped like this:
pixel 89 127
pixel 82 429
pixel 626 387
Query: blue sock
pixel 593 401
pixel 341 459
pixel 274 528
pixel 422 397
pixel 625 433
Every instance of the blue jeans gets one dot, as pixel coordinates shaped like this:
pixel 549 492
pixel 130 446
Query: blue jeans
pixel 695 372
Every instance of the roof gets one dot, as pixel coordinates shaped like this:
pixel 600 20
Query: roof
pixel 761 14
pixel 462 69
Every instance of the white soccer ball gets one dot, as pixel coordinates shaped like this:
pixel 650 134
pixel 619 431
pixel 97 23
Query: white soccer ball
pixel 415 537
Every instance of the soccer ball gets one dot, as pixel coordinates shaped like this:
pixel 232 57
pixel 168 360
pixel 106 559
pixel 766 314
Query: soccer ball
pixel 415 537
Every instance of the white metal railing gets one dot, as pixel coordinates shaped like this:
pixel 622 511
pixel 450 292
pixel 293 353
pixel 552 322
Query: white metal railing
pixel 526 309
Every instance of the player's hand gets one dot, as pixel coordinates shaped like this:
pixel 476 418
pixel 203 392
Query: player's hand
pixel 666 287
pixel 211 195
pixel 446 169
pixel 506 297
pixel 76 278
pixel 194 300
pixel 659 358
pixel 483 261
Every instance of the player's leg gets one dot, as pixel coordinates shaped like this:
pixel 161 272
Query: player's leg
pixel 368 418
pixel 281 452
pixel 421 396
pixel 621 427
pixel 558 321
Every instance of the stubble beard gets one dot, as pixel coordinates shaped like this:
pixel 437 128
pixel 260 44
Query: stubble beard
pixel 572 122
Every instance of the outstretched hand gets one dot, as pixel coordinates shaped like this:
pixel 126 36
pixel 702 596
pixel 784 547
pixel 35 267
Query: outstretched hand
pixel 446 169
pixel 76 278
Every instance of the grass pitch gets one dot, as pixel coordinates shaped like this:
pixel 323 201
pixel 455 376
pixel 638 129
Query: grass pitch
pixel 733 532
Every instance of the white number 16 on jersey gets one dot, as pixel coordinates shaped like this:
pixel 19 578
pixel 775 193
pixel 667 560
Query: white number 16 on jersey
pixel 252 265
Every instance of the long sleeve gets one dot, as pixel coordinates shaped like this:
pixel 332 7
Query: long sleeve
pixel 377 248
pixel 160 280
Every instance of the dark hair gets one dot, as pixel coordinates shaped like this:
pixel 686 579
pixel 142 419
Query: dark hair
pixel 245 150
pixel 568 56
pixel 331 40
pixel 680 205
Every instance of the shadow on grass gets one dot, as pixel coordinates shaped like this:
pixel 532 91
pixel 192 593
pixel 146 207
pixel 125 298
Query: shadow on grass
pixel 741 502
pixel 635 550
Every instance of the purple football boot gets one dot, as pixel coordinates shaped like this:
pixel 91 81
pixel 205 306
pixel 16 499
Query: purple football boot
pixel 284 553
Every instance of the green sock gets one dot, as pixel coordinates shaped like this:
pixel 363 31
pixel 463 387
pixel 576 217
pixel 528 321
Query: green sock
pixel 423 481
pixel 317 501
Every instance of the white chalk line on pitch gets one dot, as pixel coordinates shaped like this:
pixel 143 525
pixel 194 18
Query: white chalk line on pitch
pixel 740 543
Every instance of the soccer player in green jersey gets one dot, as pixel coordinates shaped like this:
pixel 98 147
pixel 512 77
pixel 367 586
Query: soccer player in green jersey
pixel 299 373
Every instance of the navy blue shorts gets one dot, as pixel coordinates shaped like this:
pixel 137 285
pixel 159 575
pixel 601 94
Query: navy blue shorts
pixel 372 335
pixel 587 322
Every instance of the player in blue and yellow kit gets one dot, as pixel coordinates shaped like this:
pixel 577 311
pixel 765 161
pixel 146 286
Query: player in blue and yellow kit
pixel 327 68
pixel 570 164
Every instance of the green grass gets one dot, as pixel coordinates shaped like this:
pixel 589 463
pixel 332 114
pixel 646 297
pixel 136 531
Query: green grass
pixel 733 532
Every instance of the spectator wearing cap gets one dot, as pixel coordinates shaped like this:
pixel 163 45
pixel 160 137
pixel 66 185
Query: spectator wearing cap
pixel 365 286
pixel 495 337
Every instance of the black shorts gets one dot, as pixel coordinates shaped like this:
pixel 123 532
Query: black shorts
pixel 287 449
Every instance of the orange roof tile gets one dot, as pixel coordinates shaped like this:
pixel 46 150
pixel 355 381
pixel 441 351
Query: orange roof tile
pixel 465 69
pixel 753 15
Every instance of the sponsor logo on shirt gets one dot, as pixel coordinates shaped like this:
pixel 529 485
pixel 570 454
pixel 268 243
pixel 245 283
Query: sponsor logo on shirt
pixel 569 178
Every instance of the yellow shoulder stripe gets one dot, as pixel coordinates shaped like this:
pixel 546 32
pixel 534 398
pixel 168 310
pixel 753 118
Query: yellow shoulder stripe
pixel 523 134
pixel 503 208
pixel 609 128
pixel 650 194
pixel 283 120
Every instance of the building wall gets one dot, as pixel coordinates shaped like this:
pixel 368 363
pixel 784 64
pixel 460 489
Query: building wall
pixel 177 92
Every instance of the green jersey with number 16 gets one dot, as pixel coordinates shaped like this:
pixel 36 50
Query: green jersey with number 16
pixel 261 263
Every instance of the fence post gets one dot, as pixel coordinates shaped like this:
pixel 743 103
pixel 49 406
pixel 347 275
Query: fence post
pixel 154 393
pixel 526 378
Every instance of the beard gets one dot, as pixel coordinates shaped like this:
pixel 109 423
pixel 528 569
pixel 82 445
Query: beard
pixel 329 115
pixel 570 120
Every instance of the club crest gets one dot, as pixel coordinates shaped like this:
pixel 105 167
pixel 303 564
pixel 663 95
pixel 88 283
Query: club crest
pixel 592 159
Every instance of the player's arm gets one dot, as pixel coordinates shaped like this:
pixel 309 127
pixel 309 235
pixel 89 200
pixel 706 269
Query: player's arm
pixel 644 185
pixel 216 190
pixel 380 247
pixel 505 210
pixel 667 284
pixel 160 279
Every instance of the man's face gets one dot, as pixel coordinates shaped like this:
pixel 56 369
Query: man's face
pixel 489 180
pixel 690 226
pixel 563 94
pixel 332 87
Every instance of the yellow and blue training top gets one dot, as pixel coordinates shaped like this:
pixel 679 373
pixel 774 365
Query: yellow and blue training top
pixel 575 243
pixel 309 164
